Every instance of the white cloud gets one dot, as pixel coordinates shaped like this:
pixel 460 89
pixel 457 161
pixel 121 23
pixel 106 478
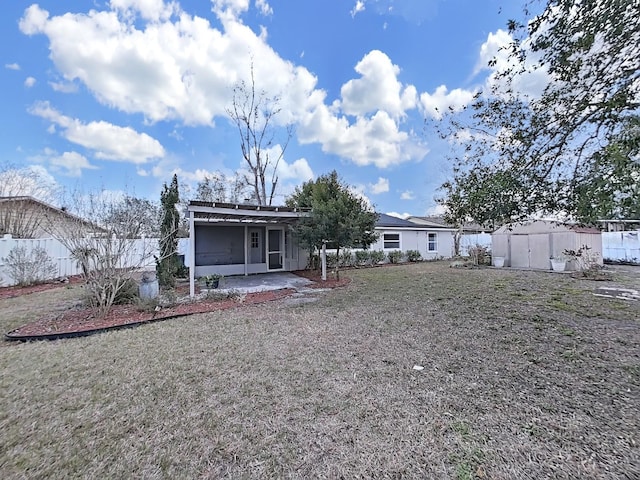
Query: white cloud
pixel 29 82
pixel 436 211
pixel 377 89
pixel 72 162
pixel 358 7
pixel 175 66
pixel 299 170
pixel 109 141
pixel 442 101
pixel 381 186
pixel 369 141
pixel 407 195
pixel 399 215
pixel 154 10
pixel 12 66
pixel 64 87
pixel 264 7
pixel 530 83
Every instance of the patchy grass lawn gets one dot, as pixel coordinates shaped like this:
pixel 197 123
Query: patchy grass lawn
pixel 526 375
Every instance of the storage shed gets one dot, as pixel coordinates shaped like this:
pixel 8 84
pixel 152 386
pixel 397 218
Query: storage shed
pixel 533 244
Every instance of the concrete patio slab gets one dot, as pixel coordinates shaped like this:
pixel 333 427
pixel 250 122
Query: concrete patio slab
pixel 263 282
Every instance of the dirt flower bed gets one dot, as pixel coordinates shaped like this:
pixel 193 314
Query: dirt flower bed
pixel 83 319
pixel 17 291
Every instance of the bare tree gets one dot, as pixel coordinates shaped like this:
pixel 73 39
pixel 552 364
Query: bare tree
pixel 108 254
pixel 19 215
pixel 253 113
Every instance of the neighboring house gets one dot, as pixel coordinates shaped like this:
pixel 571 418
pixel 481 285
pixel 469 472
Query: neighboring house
pixel 533 244
pixel 431 240
pixel 231 239
pixel 28 217
pixel 619 225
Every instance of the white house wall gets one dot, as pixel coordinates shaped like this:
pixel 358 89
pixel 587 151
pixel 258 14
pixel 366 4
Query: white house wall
pixel 418 240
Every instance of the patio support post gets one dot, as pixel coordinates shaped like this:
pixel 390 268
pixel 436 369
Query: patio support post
pixel 192 255
pixel 323 258
pixel 246 250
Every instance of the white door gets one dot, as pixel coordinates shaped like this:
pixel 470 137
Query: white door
pixel 256 251
pixel 275 249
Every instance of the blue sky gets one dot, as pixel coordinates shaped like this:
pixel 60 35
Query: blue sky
pixel 119 95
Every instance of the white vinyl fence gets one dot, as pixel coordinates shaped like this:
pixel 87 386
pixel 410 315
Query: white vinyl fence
pixel 470 240
pixel 621 245
pixel 141 254
pixel 615 245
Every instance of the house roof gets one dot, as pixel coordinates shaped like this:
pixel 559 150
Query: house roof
pixel 231 212
pixel 389 221
pixel 58 211
pixel 439 222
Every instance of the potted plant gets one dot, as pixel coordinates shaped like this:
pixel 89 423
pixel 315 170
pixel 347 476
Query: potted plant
pixel 558 263
pixel 212 281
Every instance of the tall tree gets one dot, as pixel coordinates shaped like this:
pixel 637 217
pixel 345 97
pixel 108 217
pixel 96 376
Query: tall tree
pixel 610 188
pixel 338 216
pixel 528 153
pixel 167 264
pixel 253 113
pixel 220 188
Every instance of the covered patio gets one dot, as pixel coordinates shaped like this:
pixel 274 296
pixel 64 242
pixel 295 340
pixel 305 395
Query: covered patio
pixel 229 239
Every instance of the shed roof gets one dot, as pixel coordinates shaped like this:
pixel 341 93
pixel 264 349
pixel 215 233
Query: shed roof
pixel 544 226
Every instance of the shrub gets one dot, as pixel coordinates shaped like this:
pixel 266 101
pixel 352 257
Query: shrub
pixel 30 268
pixel 480 255
pixel 332 260
pixel 377 256
pixel 362 257
pixel 395 256
pixel 346 258
pixel 414 255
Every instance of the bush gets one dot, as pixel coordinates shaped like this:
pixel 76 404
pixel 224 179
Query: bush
pixel 362 257
pixel 30 268
pixel 346 258
pixel 480 255
pixel 395 256
pixel 332 260
pixel 414 255
pixel 377 256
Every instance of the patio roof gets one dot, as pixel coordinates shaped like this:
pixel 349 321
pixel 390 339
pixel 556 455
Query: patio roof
pixel 231 212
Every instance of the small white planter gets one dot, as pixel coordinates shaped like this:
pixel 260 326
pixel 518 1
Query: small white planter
pixel 558 265
pixel 498 262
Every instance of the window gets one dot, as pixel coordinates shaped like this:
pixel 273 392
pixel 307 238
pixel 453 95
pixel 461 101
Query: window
pixel 432 240
pixel 391 240
pixel 255 242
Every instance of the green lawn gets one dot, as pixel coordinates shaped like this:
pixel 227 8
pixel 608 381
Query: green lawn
pixel 526 375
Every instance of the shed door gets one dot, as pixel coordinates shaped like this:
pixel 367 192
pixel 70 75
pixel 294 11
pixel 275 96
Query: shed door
pixel 520 251
pixel 539 251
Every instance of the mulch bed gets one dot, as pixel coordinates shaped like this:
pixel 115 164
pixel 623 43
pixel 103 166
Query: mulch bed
pixel 83 320
pixel 18 291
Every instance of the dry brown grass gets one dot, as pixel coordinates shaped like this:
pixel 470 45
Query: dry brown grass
pixel 526 375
